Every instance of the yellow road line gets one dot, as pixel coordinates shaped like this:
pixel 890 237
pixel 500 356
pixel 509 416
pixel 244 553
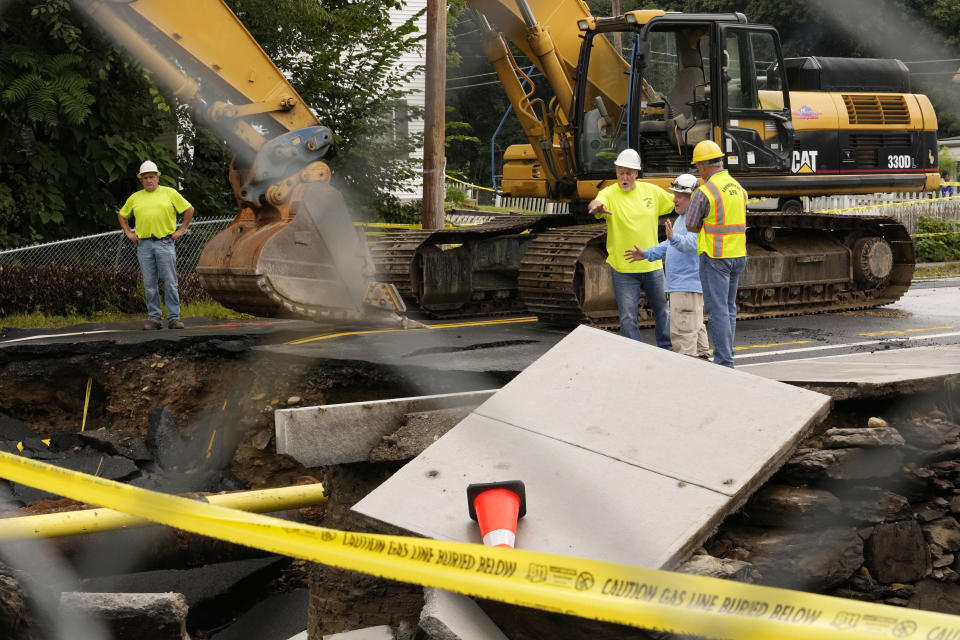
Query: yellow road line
pixel 768 346
pixel 478 323
pixel 901 332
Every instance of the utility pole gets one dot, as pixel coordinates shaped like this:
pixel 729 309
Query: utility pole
pixel 617 36
pixel 435 115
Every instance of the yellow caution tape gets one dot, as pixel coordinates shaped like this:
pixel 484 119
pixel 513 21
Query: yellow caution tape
pixel 86 405
pixel 450 177
pixel 658 600
pixel 886 204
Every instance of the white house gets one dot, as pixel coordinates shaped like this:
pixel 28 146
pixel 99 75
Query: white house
pixel 417 86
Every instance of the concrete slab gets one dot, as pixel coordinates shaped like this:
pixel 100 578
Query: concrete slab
pixel 867 375
pixel 629 453
pixel 343 433
pixel 452 616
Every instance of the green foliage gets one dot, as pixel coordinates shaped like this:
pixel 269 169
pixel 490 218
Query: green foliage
pixel 343 57
pixel 397 212
pixel 72 125
pixel 947 162
pixel 939 248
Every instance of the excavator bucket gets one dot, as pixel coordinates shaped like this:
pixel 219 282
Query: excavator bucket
pixel 312 264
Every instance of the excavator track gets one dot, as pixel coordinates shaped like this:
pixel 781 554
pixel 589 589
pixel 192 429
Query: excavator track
pixel 464 271
pixel 561 272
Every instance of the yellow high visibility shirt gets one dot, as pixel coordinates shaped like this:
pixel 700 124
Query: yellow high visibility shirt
pixel 155 211
pixel 634 220
pixel 724 231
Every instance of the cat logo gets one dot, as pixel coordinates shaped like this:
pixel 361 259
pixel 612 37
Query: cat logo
pixel 804 162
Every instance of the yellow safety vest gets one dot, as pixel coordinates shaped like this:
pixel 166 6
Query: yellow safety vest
pixel 724 231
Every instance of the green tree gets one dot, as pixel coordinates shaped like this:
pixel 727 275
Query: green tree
pixel 74 125
pixel 343 57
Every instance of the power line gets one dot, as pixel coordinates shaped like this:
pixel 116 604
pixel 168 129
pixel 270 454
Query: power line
pixel 485 84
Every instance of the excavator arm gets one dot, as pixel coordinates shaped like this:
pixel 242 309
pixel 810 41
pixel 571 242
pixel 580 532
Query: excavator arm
pixel 292 249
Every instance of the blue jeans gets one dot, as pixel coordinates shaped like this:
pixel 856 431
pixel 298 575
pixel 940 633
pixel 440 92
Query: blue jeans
pixel 720 277
pixel 158 261
pixel 628 287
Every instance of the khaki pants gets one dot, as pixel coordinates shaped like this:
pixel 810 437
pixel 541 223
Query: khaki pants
pixel 687 332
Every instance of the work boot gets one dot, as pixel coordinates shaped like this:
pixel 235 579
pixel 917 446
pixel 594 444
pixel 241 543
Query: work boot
pixel 175 324
pixel 150 325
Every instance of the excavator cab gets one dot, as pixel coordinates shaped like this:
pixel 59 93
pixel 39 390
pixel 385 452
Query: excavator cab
pixel 685 78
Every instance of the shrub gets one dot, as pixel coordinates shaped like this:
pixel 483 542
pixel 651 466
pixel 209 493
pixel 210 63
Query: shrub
pixel 938 248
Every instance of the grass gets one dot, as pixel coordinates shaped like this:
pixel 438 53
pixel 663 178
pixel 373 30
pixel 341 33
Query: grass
pixel 212 309
pixel 939 270
pixel 37 320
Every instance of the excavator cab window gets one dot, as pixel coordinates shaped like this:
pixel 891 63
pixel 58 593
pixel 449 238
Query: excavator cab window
pixel 673 103
pixel 605 72
pixel 757 128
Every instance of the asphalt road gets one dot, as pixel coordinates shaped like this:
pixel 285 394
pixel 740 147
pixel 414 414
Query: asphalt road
pixel 928 314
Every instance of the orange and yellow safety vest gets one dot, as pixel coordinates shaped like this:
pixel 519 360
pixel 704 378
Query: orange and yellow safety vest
pixel 724 231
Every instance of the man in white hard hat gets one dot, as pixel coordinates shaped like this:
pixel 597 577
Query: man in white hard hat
pixel 687 331
pixel 155 210
pixel 632 211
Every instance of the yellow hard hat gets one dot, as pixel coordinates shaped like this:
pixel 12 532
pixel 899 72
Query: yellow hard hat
pixel 706 150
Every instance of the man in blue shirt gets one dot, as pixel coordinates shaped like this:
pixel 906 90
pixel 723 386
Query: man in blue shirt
pixel 687 331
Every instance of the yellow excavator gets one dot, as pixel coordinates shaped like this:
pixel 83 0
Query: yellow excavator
pixel 292 250
pixel 660 82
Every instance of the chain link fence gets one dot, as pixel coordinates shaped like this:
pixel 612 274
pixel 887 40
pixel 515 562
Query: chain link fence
pixel 94 273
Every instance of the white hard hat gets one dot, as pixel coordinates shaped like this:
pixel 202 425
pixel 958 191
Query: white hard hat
pixel 148 166
pixel 630 159
pixel 684 183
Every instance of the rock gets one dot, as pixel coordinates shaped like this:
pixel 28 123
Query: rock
pixel 144 616
pixel 870 437
pixel 936 596
pixel 707 565
pixel 896 552
pixel 292 400
pixel 14 611
pixel 944 532
pixel 877 423
pixel 808 560
pixel 874 505
pixel 928 433
pixel 809 466
pixel 792 507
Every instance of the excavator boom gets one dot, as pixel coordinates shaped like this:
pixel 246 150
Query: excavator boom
pixel 292 249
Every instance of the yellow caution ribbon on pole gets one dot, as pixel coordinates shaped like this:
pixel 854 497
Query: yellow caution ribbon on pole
pixel 86 404
pixel 648 598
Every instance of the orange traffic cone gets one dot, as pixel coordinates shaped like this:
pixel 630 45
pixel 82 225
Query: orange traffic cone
pixel 496 506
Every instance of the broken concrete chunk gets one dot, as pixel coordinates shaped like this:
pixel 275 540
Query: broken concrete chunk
pixel 144 616
pixel 869 437
pixel 344 433
pixel 726 568
pixel 420 430
pixel 126 443
pixel 896 552
pixel 451 616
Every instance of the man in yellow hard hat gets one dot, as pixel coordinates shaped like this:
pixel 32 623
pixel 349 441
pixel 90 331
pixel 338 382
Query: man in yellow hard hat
pixel 632 211
pixel 155 210
pixel 718 214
